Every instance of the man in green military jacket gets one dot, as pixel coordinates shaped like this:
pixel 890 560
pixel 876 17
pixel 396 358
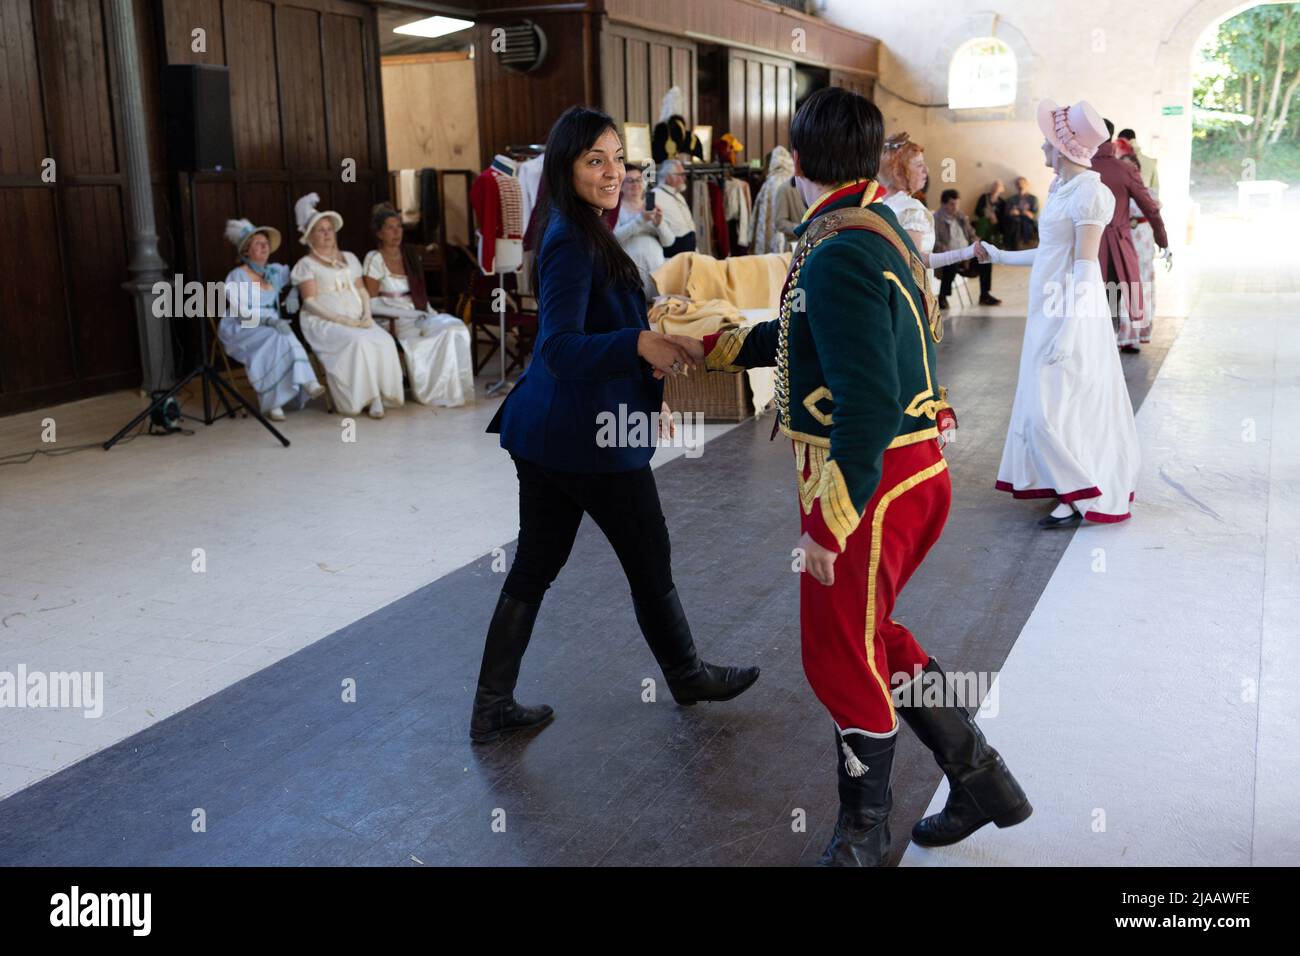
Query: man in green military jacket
pixel 857 393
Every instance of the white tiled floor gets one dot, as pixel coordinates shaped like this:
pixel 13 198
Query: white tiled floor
pixel 96 564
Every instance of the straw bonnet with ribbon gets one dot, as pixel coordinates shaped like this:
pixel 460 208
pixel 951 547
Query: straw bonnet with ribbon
pixel 307 215
pixel 239 232
pixel 1075 130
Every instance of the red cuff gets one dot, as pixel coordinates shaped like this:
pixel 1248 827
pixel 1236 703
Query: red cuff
pixel 815 526
pixel 710 342
pixel 945 419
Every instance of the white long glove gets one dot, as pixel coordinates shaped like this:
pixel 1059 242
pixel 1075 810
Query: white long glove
pixel 1025 257
pixel 940 259
pixel 1086 302
pixel 313 305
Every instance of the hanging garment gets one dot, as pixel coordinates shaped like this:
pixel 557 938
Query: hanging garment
pixel 530 184
pixel 735 206
pixel 498 203
pixel 767 235
pixel 702 212
pixel 721 241
pixel 430 208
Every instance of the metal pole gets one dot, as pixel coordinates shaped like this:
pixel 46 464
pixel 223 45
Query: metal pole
pixel 146 266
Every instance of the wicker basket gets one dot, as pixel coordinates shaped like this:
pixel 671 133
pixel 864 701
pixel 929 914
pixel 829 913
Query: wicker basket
pixel 718 396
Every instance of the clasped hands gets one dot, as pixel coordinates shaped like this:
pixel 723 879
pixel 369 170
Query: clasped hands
pixel 670 354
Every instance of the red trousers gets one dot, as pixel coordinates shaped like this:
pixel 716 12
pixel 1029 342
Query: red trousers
pixel 854 653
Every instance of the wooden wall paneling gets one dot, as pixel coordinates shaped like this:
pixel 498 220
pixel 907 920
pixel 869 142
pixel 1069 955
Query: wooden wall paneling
pixel 753 93
pixel 417 137
pixel 254 90
pixel 102 315
pixel 638 85
pixel 353 201
pixel 36 347
pixel 345 91
pixel 736 94
pixel 784 107
pixel 683 73
pixel 613 66
pixel 302 88
pixel 660 77
pixel 769 111
pixel 216 201
pixel 266 202
pixel 183 17
pixel 23 144
pixel 79 117
pixel 763 26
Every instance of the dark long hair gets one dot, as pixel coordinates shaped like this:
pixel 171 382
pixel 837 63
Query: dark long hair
pixel 575 132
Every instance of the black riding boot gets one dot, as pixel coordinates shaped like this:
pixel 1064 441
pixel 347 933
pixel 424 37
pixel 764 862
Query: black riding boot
pixel 981 788
pixel 663 622
pixel 861 835
pixel 495 709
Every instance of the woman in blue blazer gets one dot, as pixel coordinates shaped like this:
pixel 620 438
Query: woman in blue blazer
pixel 594 364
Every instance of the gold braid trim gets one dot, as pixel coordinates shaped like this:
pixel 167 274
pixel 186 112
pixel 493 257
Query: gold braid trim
pixel 825 482
pixel 873 565
pixel 726 349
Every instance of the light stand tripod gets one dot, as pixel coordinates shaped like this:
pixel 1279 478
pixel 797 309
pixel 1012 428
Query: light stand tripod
pixel 205 371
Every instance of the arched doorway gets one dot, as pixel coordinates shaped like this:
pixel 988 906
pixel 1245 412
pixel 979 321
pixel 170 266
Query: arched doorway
pixel 1174 89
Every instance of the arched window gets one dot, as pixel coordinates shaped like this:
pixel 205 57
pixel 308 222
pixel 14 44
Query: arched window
pixel 982 75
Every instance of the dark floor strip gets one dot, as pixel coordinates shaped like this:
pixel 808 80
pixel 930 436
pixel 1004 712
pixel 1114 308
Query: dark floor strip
pixel 285 772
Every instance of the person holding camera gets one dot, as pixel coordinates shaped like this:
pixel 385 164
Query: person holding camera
pixel 641 229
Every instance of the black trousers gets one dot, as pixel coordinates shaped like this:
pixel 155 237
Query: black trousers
pixel 947 272
pixel 624 505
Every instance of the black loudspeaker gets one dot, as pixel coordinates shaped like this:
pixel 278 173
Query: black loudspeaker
pixel 196 116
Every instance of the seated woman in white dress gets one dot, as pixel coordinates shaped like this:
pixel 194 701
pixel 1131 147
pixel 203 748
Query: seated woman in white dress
pixel 436 345
pixel 360 358
pixel 252 330
pixel 1072 436
pixel 902 173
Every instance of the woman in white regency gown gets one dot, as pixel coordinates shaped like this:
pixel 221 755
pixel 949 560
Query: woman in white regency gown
pixel 1072 436
pixel 360 358
pixel 436 345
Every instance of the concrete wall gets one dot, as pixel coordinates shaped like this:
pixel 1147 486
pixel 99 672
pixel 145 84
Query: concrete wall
pixel 1130 59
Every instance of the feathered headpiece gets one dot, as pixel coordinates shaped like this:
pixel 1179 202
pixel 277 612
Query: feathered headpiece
pixel 307 216
pixel 240 231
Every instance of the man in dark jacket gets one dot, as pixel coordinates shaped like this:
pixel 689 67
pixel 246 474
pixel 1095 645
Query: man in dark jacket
pixel 952 230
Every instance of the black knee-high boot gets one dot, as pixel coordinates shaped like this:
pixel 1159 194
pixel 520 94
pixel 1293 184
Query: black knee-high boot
pixel 861 835
pixel 981 788
pixel 495 709
pixel 663 622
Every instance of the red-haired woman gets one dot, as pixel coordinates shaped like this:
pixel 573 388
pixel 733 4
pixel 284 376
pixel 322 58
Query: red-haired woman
pixel 903 172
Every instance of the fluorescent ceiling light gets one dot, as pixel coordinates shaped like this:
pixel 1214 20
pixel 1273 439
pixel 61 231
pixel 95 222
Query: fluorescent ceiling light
pixel 433 27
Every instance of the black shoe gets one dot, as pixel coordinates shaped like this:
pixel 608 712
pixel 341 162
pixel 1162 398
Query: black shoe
pixel 496 711
pixel 1130 349
pixel 943 303
pixel 861 836
pixel 1069 521
pixel 987 299
pixel 691 680
pixel 981 788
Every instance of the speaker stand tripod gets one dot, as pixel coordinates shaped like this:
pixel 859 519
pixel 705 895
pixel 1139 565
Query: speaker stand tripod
pixel 205 371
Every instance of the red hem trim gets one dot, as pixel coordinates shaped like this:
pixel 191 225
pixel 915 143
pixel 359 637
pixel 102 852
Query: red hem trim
pixel 1066 498
pixel 1103 518
pixel 1099 516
